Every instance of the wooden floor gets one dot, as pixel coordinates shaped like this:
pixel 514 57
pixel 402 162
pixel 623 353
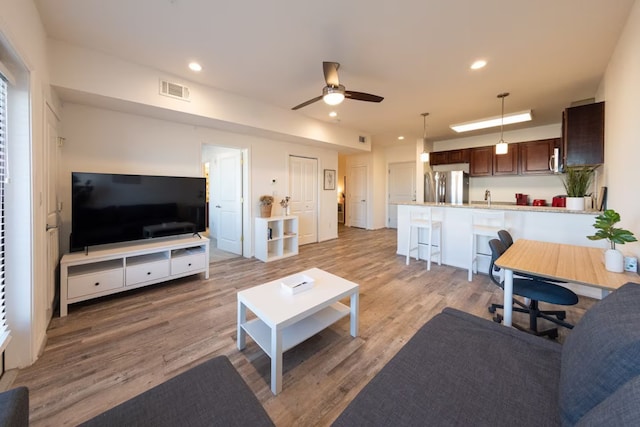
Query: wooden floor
pixel 110 350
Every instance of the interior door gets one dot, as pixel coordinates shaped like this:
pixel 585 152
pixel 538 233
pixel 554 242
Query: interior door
pixel 357 196
pixel 402 188
pixel 228 201
pixel 303 190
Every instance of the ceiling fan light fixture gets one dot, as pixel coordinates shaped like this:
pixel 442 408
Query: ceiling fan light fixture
pixel 333 95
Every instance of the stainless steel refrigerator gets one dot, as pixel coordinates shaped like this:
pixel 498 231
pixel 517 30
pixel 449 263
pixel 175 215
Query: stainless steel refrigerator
pixel 446 187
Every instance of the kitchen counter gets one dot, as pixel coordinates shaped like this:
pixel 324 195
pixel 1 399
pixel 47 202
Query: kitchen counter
pixel 545 223
pixel 505 206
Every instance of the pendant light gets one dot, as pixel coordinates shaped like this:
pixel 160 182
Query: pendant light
pixel 502 147
pixel 424 156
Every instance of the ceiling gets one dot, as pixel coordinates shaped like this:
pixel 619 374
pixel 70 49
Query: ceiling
pixel 415 53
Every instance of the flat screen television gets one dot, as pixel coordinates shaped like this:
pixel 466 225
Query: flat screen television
pixel 113 208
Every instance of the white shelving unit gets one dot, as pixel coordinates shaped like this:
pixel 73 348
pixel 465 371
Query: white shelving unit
pixel 110 269
pixel 276 237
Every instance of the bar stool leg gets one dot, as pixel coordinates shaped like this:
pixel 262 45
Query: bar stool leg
pixel 409 245
pixel 430 248
pixel 472 256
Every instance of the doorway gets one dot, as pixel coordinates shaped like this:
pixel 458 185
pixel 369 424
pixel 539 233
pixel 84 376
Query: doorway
pixel 303 190
pixel 357 197
pixel 224 170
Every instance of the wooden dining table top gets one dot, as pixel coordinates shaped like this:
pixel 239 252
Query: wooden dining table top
pixel 570 263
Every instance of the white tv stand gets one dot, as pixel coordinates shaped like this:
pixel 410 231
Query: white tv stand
pixel 110 269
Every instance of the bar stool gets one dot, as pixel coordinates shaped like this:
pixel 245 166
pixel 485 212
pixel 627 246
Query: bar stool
pixel 421 218
pixel 486 224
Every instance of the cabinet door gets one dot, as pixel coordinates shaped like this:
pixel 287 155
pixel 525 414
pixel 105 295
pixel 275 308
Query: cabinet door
pixel 438 158
pixel 481 161
pixel 583 135
pixel 459 156
pixel 536 155
pixel 506 164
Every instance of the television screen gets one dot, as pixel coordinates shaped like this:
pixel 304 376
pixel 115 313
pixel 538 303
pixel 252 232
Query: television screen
pixel 111 208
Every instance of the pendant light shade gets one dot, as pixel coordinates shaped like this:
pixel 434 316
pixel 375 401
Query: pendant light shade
pixel 424 156
pixel 502 147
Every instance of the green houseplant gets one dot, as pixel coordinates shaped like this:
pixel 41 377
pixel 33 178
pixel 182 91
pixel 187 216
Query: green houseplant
pixel 604 225
pixel 577 180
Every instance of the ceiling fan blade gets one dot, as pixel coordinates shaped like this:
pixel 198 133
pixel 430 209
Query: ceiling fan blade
pixel 304 104
pixel 361 96
pixel 331 73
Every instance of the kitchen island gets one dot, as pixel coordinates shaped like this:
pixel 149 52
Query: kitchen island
pixel 549 224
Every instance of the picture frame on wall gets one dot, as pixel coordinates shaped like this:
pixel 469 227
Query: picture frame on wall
pixel 329 179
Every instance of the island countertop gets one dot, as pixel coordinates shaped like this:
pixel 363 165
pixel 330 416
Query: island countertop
pixel 504 206
pixel 544 223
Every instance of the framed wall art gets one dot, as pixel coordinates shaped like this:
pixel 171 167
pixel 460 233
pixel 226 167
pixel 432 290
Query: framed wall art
pixel 329 179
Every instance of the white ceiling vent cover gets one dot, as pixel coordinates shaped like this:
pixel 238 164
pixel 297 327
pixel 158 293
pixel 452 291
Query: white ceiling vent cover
pixel 174 90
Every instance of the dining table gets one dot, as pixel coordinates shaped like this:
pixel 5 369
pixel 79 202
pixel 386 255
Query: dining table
pixel 581 265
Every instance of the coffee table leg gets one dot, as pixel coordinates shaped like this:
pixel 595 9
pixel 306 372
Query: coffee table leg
pixel 276 360
pixel 355 297
pixel 242 318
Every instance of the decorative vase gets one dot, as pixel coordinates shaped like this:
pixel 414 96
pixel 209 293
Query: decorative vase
pixel 265 211
pixel 614 261
pixel 287 211
pixel 575 203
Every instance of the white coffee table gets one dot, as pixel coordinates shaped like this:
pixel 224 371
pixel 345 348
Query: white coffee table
pixel 285 320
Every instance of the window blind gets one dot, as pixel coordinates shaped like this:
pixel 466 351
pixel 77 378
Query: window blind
pixel 4 330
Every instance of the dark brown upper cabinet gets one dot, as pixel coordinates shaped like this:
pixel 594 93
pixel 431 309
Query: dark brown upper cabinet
pixel 535 156
pixel 449 157
pixel 583 135
pixel 506 164
pixel 481 161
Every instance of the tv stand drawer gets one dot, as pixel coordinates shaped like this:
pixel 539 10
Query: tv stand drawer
pixel 146 272
pixel 94 283
pixel 187 263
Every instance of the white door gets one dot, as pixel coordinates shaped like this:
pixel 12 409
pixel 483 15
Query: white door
pixel 402 188
pixel 357 197
pixel 227 201
pixel 303 190
pixel 52 158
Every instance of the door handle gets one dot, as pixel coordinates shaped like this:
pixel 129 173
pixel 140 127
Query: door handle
pixel 363 200
pixel 51 227
pixel 218 206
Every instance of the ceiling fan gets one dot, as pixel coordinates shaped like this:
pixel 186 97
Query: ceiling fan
pixel 334 93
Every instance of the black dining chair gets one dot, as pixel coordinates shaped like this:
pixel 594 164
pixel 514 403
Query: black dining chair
pixel 535 290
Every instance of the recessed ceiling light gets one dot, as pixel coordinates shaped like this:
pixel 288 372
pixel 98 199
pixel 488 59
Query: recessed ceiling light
pixel 333 114
pixel 480 63
pixel 401 137
pixel 194 66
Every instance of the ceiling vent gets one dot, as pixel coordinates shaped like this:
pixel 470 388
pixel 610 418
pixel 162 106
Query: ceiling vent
pixel 362 139
pixel 174 90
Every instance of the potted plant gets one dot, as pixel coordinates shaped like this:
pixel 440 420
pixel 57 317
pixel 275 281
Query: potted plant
pixel 266 203
pixel 577 180
pixel 614 261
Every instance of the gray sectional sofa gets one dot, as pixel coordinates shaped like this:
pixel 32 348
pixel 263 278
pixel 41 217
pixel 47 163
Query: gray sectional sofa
pixel 457 370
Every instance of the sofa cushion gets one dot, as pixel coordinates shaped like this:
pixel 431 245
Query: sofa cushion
pixel 210 394
pixel 601 353
pixel 459 369
pixel 14 407
pixel 622 408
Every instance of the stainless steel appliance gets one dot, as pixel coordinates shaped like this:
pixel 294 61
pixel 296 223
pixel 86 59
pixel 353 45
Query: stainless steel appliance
pixel 446 187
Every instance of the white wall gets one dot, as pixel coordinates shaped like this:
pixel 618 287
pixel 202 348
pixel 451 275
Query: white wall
pixel 621 91
pixel 99 140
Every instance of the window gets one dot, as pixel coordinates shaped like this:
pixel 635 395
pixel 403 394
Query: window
pixel 4 330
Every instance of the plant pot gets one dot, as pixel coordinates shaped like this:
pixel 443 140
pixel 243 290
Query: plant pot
pixel 265 211
pixel 575 203
pixel 614 261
